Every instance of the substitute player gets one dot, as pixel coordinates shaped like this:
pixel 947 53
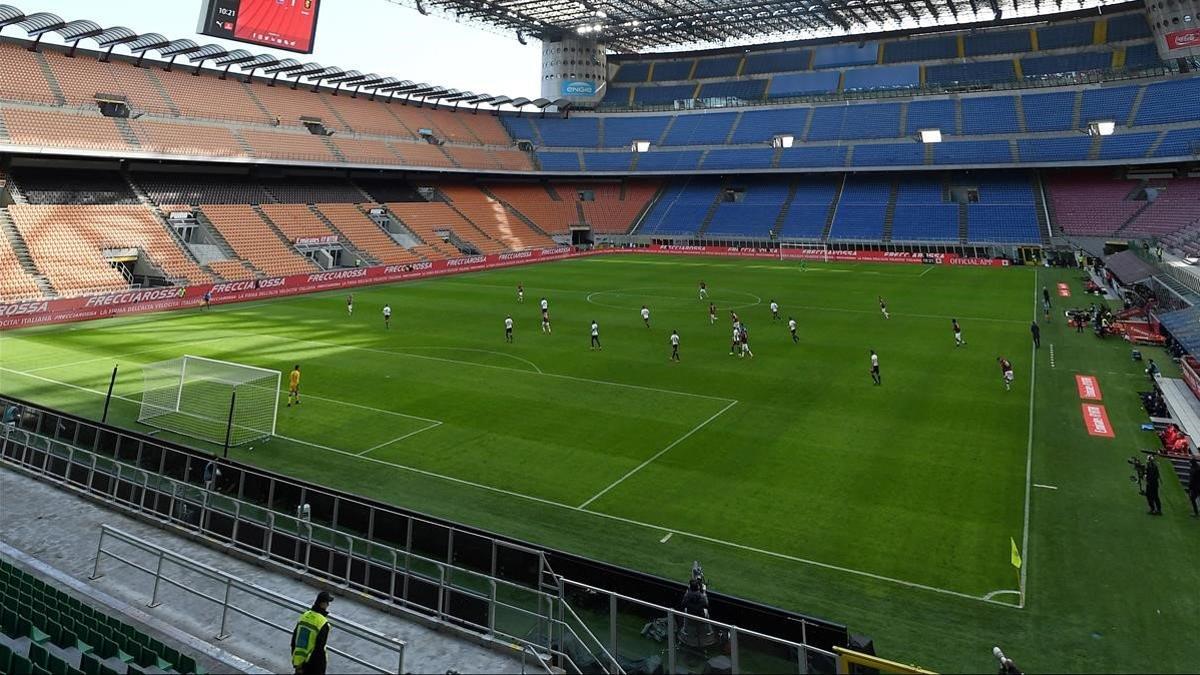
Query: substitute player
pixel 792 329
pixel 883 308
pixel 958 338
pixel 207 299
pixel 387 317
pixel 350 305
pixel 1007 370
pixel 703 290
pixel 520 293
pixel 875 368
pixel 294 386
pixel 645 316
pixel 675 346
pixel 712 314
pixel 595 335
pixel 775 310
pixel 508 325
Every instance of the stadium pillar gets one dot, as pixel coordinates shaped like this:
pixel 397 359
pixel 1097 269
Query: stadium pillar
pixel 574 68
pixel 1176 34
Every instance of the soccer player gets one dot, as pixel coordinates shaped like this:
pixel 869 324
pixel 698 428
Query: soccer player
pixel 744 338
pixel 883 308
pixel 387 316
pixel 350 304
pixel 595 335
pixel 294 386
pixel 520 293
pixel 508 324
pixel 1007 369
pixel 712 314
pixel 734 317
pixel 703 290
pixel 792 328
pixel 735 343
pixel 958 338
pixel 645 316
pixel 546 323
pixel 1046 310
pixel 775 310
pixel 875 368
pixel 545 306
pixel 207 299
pixel 675 346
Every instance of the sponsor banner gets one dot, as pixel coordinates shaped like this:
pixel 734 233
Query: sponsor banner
pixel 1183 39
pixel 39 312
pixel 1064 291
pixel 1089 388
pixel 1095 419
pixel 316 241
pixel 578 88
pixel 1189 367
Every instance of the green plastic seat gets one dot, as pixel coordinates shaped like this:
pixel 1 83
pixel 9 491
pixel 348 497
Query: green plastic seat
pixel 89 664
pixel 38 654
pixel 57 666
pixel 20 665
pixel 5 657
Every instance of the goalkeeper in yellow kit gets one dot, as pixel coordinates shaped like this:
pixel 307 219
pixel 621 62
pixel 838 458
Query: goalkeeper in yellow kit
pixel 294 386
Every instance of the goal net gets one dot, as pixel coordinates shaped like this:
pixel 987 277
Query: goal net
pixel 803 251
pixel 191 395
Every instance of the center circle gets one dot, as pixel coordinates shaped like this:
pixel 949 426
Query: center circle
pixel 664 299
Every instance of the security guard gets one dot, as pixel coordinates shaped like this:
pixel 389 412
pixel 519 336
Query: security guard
pixel 308 639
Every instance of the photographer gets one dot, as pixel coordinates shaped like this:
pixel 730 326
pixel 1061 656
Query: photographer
pixel 1152 479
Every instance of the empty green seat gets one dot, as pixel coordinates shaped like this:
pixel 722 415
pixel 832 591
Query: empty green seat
pixel 20 665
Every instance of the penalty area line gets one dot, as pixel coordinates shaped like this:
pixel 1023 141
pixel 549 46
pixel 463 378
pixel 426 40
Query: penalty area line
pixel 400 438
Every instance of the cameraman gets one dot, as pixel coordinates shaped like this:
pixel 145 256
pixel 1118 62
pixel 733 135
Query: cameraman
pixel 1152 479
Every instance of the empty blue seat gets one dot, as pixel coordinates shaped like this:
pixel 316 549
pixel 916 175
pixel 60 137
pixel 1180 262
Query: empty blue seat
pixel 834 56
pixel 665 71
pixel 1034 66
pixel 898 76
pixel 669 160
pixel 1171 101
pixel 739 158
pixel 777 62
pixel 997 42
pixel 755 215
pixel 1073 148
pixel 1125 145
pixel 750 90
pixel 972 152
pixel 1001 70
pixel 871 120
pixel 621 132
pixel 520 128
pixel 931 114
pixel 920 49
pixel 607 161
pixel 910 153
pixel 701 129
pixel 925 221
pixel 1113 103
pixel 1049 112
pixel 1002 223
pixel 1180 143
pixel 859 221
pixel 617 96
pixel 989 115
pixel 803 84
pixel 1142 56
pixel 559 161
pixel 814 157
pixel 1128 27
pixel 682 207
pixel 804 221
pixel 1065 35
pixel 722 66
pixel 829 123
pixel 573 132
pixel 652 95
pixel 637 71
pixel 760 126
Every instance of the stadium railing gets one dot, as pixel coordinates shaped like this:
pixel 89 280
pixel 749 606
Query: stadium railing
pixel 165 562
pixel 515 599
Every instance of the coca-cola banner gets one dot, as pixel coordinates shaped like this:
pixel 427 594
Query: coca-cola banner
pixel 39 312
pixel 1184 39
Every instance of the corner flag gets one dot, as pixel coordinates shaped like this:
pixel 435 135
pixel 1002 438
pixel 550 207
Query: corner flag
pixel 1016 554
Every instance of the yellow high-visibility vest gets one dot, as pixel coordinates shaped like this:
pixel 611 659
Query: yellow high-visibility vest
pixel 307 628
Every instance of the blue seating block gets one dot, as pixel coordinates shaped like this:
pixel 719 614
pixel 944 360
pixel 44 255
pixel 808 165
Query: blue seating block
pixel 682 207
pixel 701 129
pixel 804 221
pixel 519 128
pixel 925 222
pixel 1128 27
pixel 651 95
pixel 972 152
pixel 750 90
pixel 636 71
pixel 1065 35
pixel 1142 56
pixel 750 220
pixel 931 114
pixel 1049 112
pixel 882 77
pixel 889 154
pixel 1170 101
pixel 607 161
pixel 573 132
pixel 777 62
pixel 838 55
pixel 814 157
pixel 621 132
pixel 559 161
pixel 829 123
pixel 997 42
pixel 859 221
pixel 1180 143
pixel 1002 223
pixel 739 158
pixel 1125 145
pixel 989 115
pixel 1113 103
pixel 920 49
pixel 669 160
pixel 1070 149
pixel 980 71
pixel 803 84
pixel 919 189
pixel 1033 66
pixel 723 66
pixel 760 126
pixel 839 122
pixel 617 96
pixel 665 71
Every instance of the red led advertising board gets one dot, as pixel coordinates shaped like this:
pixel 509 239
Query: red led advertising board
pixel 290 25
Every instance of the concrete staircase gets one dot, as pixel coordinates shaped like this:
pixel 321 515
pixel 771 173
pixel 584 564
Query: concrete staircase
pixel 833 207
pixel 889 214
pixel 127 132
pixel 17 242
pixel 787 204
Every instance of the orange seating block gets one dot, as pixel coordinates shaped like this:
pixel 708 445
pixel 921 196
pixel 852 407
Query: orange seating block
pixel 252 240
pixel 365 235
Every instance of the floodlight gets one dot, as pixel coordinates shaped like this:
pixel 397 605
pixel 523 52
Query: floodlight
pixel 930 135
pixel 782 141
pixel 640 146
pixel 1101 128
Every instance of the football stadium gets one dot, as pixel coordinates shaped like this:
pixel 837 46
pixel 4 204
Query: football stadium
pixel 768 336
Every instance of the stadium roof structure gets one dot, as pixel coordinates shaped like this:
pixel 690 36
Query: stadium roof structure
pixel 40 24
pixel 639 25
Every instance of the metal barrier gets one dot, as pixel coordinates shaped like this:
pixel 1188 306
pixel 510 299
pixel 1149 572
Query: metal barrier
pixel 345 627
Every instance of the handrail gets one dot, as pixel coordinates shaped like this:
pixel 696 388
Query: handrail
pixel 234 583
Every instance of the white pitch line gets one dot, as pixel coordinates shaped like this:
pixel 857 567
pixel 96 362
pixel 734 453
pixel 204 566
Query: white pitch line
pixel 993 594
pixel 119 356
pixel 939 317
pixel 664 539
pixel 658 454
pixel 607 516
pixel 400 438
pixel 1044 487
pixel 931 268
pixel 482 351
pixel 1029 455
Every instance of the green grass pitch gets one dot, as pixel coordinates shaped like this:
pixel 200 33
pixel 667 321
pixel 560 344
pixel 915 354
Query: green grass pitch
pixel 794 479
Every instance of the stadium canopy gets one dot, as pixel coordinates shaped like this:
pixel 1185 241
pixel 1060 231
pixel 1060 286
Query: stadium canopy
pixel 641 25
pixel 107 39
pixel 1128 268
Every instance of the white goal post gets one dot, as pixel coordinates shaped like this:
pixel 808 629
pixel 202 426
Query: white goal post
pixel 192 395
pixel 789 250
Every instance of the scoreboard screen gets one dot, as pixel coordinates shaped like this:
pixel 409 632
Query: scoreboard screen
pixel 290 25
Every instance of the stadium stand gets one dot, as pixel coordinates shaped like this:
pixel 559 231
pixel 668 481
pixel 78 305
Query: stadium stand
pixel 1092 202
pixel 187 139
pixel 429 220
pixel 296 221
pixel 44 630
pixel 196 188
pixel 41 185
pixel 754 213
pixel 546 206
pixel 682 207
pixel 299 190
pixel 1005 212
pixel 368 237
pixel 615 209
pixel 922 212
pixel 861 209
pixel 251 239
pixel 15 282
pixel 809 213
pixel 491 218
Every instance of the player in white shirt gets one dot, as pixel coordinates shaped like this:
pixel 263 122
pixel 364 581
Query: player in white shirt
pixel 508 326
pixel 675 345
pixel 545 306
pixel 792 328
pixel 595 335
pixel 387 316
pixel 350 304
pixel 546 317
pixel 775 310
pixel 703 290
pixel 875 368
pixel 735 344
pixel 645 316
pixel 520 293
